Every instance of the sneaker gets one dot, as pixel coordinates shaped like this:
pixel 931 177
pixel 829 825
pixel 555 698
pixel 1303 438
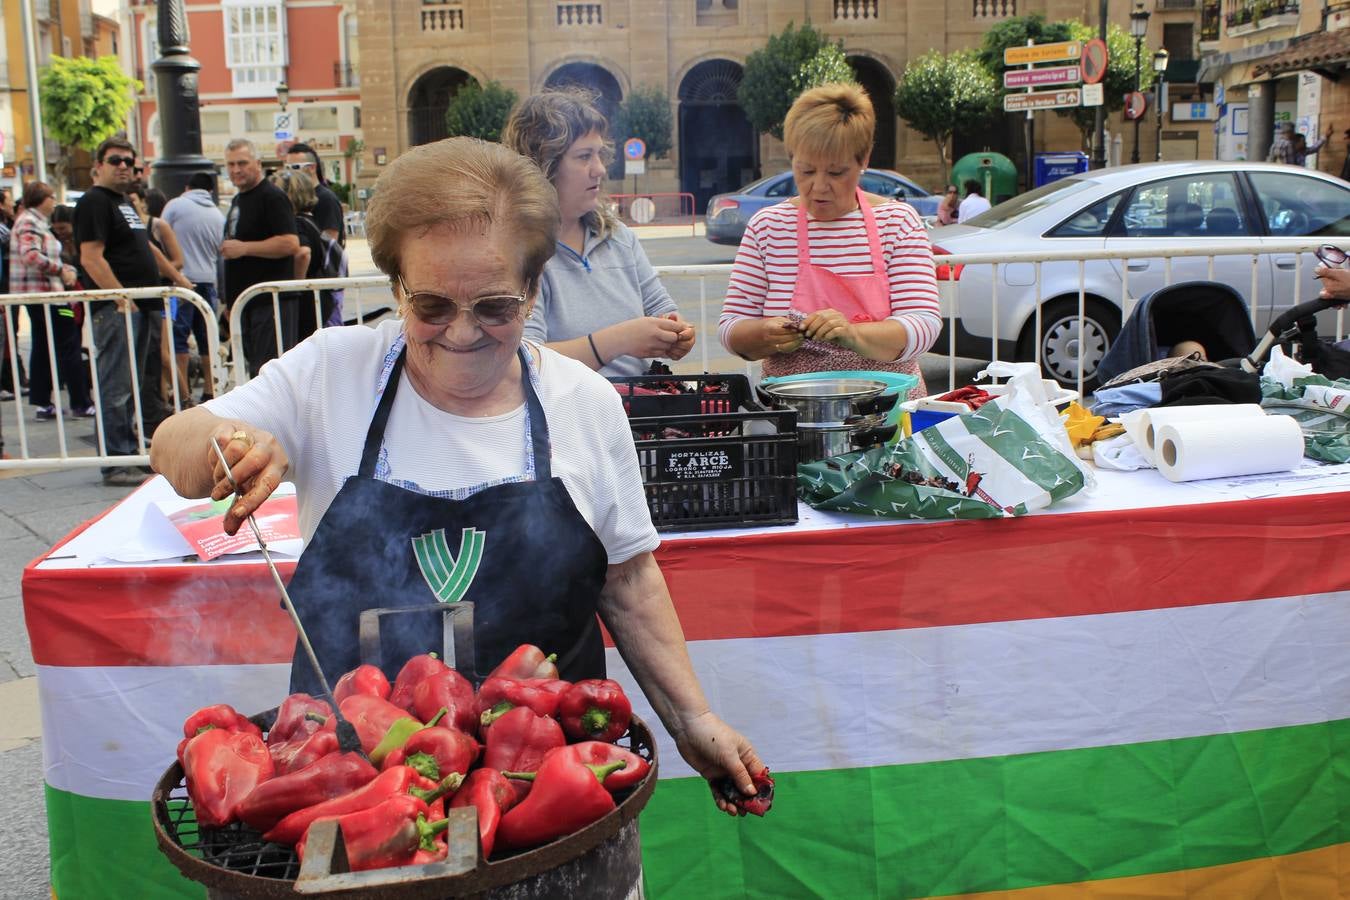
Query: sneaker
pixel 123 477
pixel 6 394
pixel 87 412
pixel 45 413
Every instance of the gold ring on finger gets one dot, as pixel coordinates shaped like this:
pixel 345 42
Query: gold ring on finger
pixel 243 437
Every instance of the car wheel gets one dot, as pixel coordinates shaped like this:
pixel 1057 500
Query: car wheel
pixel 1059 339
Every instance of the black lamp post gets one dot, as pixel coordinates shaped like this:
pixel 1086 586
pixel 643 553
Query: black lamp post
pixel 1138 28
pixel 180 125
pixel 1160 73
pixel 1099 114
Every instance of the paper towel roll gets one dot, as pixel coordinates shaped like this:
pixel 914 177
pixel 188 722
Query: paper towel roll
pixel 1153 419
pixel 1223 448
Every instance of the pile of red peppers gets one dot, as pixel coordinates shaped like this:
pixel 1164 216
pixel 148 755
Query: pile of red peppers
pixel 534 755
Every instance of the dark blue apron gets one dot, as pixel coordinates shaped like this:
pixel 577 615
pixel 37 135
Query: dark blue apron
pixel 521 551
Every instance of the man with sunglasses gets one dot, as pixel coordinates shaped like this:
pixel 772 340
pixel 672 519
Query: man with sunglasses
pixel 114 252
pixel 328 210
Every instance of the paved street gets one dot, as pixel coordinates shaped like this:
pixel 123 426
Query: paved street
pixel 37 508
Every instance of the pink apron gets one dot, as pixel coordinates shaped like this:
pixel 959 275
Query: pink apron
pixel 862 298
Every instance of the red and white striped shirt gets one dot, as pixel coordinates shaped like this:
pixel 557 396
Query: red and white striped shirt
pixel 765 271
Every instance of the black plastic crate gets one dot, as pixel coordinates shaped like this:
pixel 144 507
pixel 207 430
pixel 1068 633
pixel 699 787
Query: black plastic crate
pixel 714 459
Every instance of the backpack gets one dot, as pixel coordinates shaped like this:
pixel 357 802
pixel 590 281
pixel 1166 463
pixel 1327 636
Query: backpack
pixel 333 264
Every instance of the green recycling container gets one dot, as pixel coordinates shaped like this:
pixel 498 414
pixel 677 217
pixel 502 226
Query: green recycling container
pixel 995 172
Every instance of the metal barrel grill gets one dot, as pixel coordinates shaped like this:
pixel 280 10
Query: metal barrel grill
pixel 602 860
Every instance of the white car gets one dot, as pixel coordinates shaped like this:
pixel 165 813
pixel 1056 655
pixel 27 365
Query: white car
pixel 1201 204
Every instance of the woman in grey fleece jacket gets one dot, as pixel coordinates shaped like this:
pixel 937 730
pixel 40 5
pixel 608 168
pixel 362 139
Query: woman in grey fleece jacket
pixel 600 301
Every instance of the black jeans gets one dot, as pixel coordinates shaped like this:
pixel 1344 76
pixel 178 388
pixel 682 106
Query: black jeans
pixel 70 368
pixel 260 330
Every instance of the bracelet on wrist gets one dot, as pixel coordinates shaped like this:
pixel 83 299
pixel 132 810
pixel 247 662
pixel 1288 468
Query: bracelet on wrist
pixel 595 352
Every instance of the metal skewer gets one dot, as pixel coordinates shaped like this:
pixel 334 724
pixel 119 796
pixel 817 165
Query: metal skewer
pixel 346 733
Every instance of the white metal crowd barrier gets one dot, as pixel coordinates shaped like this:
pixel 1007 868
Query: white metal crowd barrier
pixel 38 451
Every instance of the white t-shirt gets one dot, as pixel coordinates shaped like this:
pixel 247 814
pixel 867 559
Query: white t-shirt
pixel 971 207
pixel 318 400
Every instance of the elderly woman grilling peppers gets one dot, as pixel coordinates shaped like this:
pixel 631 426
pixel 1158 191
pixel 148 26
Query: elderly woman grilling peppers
pixel 438 457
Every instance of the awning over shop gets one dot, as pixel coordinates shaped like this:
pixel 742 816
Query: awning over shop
pixel 1325 52
pixel 1212 68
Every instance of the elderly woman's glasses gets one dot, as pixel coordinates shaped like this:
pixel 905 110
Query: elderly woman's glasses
pixel 1330 256
pixel 492 310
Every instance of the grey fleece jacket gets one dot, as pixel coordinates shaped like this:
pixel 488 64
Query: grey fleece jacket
pixel 611 282
pixel 200 227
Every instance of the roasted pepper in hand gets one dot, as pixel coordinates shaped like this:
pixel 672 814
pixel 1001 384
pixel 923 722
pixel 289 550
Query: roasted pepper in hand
pixel 332 776
pixel 436 752
pixel 294 720
pixel 497 695
pixel 527 661
pixel 599 753
pixel 451 690
pixel 413 673
pixel 757 805
pixel 489 792
pixel 566 796
pixel 387 835
pixel 222 769
pixel 595 710
pixel 364 679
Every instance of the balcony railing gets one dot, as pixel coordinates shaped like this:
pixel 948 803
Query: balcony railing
pixel 995 9
pixel 442 17
pixel 856 10
pixel 1250 16
pixel 1210 18
pixel 717 12
pixel 580 14
pixel 345 75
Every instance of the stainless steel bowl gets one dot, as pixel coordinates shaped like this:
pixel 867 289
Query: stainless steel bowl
pixel 823 401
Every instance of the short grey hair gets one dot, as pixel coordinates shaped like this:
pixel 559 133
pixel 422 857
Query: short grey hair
pixel 242 143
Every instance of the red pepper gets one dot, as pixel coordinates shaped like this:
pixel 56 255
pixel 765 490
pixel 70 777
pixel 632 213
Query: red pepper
pixel 518 741
pixel 389 783
pixel 414 671
pixel 527 661
pixel 440 846
pixel 332 776
pixel 387 835
pixel 566 796
pixel 497 695
pixel 451 690
pixel 364 679
pixel 370 716
pixel 599 753
pixel 757 805
pixel 222 716
pixel 223 767
pixel 487 791
pixel 293 720
pixel 436 752
pixel 293 756
pixel 595 710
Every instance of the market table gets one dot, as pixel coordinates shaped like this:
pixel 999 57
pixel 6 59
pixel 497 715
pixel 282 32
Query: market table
pixel 1147 689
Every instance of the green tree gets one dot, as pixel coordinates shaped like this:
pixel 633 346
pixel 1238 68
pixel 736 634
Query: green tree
pixel 645 114
pixel 773 76
pixel 84 101
pixel 1119 79
pixel 480 111
pixel 1015 32
pixel 828 66
pixel 941 94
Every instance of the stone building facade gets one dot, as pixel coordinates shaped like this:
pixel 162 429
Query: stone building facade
pixel 416 55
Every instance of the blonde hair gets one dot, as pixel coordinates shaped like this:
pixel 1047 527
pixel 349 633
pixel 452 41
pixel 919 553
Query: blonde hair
pixel 299 188
pixel 833 121
pixel 545 125
pixel 464 184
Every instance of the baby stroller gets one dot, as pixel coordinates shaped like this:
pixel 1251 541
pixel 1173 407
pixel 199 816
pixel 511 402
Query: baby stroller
pixel 1299 325
pixel 1211 314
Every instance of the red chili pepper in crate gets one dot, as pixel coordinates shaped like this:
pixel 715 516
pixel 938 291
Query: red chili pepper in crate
pixel 498 695
pixel 969 395
pixel 489 792
pixel 332 776
pixel 364 679
pixel 527 661
pixel 222 769
pixel 566 796
pixel 598 753
pixel 389 783
pixel 293 720
pixel 452 692
pixel 436 752
pixel 595 710
pixel 413 673
pixel 390 834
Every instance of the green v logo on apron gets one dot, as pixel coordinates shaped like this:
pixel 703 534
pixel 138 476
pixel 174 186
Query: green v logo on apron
pixel 449 576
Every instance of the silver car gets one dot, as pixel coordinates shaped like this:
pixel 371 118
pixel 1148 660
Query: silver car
pixel 1200 204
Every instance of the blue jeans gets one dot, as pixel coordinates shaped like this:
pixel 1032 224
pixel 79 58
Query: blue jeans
pixel 188 320
pixel 116 349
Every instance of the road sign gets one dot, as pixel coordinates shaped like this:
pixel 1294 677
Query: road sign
pixel 1041 100
pixel 1036 53
pixel 1024 78
pixel 634 167
pixel 1093 63
pixel 284 125
pixel 634 148
pixel 1135 104
pixel 1094 94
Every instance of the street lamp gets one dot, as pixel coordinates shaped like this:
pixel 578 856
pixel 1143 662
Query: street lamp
pixel 1160 72
pixel 1138 28
pixel 283 94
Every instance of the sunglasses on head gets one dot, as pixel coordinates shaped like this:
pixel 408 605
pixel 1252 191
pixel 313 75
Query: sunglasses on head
pixel 1330 256
pixel 116 161
pixel 492 310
